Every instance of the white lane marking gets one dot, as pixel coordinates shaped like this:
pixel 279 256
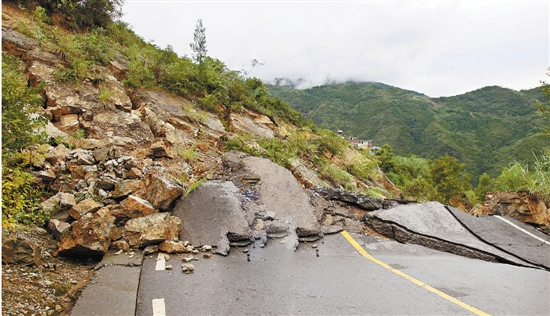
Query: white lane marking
pixel 161 262
pixel 158 307
pixel 523 230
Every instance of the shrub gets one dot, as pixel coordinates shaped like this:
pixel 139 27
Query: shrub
pixel 85 14
pixel 20 127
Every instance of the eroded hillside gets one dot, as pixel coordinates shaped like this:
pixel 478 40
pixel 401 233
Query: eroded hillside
pixel 120 152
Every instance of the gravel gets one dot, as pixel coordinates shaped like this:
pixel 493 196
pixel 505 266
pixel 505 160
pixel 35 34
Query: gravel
pixel 49 289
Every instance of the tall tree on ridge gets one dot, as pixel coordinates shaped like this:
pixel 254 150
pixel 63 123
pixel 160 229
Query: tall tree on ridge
pixel 199 49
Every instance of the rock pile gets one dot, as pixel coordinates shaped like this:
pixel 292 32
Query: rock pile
pixel 132 193
pixel 522 205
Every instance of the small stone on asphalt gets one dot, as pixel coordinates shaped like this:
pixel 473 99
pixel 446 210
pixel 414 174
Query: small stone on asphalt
pixel 187 268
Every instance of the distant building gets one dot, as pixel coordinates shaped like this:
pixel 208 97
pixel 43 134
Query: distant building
pixel 365 144
pixel 354 141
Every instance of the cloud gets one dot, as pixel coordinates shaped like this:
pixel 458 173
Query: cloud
pixel 437 48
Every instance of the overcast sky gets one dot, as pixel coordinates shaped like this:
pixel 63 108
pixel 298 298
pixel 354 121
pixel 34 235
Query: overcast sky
pixel 439 48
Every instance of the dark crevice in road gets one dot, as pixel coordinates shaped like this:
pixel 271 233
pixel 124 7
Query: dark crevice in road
pixel 496 245
pixel 404 235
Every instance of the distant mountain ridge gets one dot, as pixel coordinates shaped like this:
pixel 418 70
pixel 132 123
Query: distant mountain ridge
pixel 487 129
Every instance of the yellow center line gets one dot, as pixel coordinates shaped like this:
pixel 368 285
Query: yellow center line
pixel 365 254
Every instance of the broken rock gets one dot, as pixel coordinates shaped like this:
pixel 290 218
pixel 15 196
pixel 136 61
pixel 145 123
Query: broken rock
pixel 57 227
pixel 152 229
pixel 175 246
pixel 161 191
pixel 19 250
pixel 83 207
pixel 134 207
pixel 522 205
pixel 90 236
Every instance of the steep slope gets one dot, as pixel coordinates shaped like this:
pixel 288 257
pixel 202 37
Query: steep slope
pixel 486 129
pixel 130 130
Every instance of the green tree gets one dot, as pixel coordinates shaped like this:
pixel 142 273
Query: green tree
pixel 85 14
pixel 484 185
pixel 199 50
pixel 199 43
pixel 544 107
pixel 19 103
pixel 447 178
pixel 385 158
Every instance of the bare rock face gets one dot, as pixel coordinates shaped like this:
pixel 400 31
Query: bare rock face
pixel 306 176
pixel 121 124
pixel 16 43
pixel 152 229
pixel 169 109
pixel 18 250
pixel 90 236
pixel 245 124
pixel 160 190
pixel 522 205
pixel 366 202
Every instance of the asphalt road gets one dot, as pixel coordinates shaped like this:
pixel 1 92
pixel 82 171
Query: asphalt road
pixel 376 277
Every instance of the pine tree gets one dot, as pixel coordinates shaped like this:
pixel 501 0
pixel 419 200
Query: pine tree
pixel 199 43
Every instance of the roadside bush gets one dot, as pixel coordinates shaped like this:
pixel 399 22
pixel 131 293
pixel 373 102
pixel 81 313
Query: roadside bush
pixel 20 126
pixel 85 14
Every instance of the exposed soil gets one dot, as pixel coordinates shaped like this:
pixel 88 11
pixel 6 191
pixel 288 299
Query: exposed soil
pixel 48 289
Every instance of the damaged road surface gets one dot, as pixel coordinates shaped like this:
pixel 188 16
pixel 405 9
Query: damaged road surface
pixel 283 254
pixel 331 276
pixel 252 241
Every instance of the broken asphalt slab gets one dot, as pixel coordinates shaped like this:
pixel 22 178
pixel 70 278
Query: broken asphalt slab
pixel 509 235
pixel 212 215
pixel 281 193
pixel 262 199
pixel 113 289
pixel 433 225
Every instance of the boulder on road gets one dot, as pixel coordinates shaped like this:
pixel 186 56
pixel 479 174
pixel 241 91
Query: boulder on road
pixel 134 207
pixel 152 229
pixel 175 246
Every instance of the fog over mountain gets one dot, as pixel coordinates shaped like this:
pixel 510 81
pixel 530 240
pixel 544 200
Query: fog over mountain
pixel 434 47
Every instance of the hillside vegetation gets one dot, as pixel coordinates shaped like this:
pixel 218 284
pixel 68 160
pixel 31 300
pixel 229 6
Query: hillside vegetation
pixel 85 61
pixel 410 122
pixel 486 129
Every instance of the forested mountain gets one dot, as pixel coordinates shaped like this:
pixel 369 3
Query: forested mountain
pixel 487 129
